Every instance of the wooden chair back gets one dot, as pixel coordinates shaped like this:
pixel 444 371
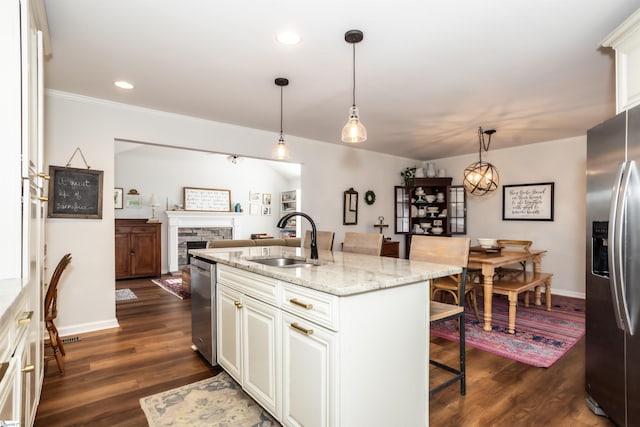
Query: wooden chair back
pixel 441 250
pixel 362 243
pixel 517 244
pixel 324 240
pixel 50 299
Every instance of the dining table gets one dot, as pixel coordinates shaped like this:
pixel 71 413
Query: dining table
pixel 488 261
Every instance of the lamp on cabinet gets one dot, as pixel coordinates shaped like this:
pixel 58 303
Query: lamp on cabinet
pixel 154 202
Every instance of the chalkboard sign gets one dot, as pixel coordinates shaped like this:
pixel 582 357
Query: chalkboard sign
pixel 207 199
pixel 75 193
pixel 532 202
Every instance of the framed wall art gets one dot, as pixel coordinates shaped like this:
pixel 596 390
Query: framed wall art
pixel 528 202
pixel 118 198
pixel 207 199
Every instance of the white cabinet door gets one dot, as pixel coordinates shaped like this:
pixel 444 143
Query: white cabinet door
pixel 309 386
pixel 229 318
pixel 261 353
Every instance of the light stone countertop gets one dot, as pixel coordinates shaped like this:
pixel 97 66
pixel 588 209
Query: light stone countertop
pixel 340 273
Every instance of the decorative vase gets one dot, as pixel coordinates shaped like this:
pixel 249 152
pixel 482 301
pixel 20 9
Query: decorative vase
pixel 420 173
pixel 431 170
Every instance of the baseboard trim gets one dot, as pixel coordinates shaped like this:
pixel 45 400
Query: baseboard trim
pixel 84 328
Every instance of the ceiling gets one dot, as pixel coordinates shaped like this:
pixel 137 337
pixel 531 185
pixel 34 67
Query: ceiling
pixel 428 73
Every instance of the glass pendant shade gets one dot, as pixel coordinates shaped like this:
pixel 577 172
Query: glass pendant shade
pixel 481 178
pixel 354 131
pixel 280 151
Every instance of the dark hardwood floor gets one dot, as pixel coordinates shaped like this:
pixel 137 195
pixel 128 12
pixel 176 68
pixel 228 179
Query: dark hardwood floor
pixel 108 372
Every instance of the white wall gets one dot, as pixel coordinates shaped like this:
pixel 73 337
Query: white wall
pixel 86 297
pixel 165 171
pixel 562 162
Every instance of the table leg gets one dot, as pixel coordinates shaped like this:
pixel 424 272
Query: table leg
pixel 513 304
pixel 547 290
pixel 487 276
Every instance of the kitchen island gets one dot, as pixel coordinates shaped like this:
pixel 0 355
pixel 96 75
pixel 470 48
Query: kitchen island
pixel 340 341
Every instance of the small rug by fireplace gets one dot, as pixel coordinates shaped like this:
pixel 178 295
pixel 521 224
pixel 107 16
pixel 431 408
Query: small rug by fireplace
pixel 217 401
pixel 173 285
pixel 125 295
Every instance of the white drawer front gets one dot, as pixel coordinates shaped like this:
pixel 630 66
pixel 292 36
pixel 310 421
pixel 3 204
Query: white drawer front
pixel 315 306
pixel 260 287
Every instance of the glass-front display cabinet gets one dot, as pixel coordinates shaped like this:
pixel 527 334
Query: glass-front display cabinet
pixel 430 206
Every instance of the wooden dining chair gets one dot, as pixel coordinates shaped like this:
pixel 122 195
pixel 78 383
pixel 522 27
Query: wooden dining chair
pixel 452 251
pixel 324 240
pixel 51 312
pixel 362 243
pixel 510 271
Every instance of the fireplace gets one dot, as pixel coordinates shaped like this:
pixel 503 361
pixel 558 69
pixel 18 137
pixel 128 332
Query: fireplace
pixel 189 226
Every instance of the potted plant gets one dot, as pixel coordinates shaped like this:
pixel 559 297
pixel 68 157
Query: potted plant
pixel 409 175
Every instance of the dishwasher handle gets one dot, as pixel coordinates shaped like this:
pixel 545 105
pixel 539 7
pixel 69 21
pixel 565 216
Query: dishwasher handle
pixel 201 267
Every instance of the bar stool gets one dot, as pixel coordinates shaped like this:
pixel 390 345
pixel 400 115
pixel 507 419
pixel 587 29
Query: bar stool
pixel 452 251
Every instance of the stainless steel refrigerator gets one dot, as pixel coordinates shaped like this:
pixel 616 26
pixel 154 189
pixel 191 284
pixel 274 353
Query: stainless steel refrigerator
pixel 612 376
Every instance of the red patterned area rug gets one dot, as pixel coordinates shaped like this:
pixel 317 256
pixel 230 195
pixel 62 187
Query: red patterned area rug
pixel 173 285
pixel 541 338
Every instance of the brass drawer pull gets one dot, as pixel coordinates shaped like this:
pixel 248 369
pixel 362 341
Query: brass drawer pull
pixel 43 198
pixel 26 317
pixel 238 304
pixel 301 304
pixel 28 368
pixel 44 176
pixel 301 329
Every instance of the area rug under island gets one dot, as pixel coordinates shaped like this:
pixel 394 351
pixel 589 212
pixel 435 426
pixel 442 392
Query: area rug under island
pixel 217 401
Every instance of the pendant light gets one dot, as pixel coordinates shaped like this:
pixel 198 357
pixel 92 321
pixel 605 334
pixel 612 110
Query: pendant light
pixel 280 151
pixel 481 177
pixel 354 131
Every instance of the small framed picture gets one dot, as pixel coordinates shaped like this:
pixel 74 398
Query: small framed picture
pixel 254 209
pixel 117 198
pixel 254 197
pixel 133 201
pixel 266 210
pixel 266 199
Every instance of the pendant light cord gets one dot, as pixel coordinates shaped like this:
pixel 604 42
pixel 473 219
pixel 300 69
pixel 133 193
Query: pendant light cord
pixel 481 142
pixel 280 110
pixel 354 74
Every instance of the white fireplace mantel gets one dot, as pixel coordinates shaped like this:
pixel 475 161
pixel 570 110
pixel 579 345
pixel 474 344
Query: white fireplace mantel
pixel 194 219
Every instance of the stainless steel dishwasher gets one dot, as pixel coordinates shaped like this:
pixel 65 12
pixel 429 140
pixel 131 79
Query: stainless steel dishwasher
pixel 203 307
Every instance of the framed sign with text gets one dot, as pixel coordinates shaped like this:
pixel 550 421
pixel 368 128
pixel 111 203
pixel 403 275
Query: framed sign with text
pixel 527 202
pixel 207 199
pixel 75 193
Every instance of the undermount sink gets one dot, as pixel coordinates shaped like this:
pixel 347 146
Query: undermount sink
pixel 285 262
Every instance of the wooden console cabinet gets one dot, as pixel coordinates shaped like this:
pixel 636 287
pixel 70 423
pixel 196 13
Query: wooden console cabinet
pixel 137 248
pixel 390 249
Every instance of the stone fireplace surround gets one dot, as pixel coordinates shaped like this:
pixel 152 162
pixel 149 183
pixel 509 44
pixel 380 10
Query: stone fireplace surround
pixel 192 225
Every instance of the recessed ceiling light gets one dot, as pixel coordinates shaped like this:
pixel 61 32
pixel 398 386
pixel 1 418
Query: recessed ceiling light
pixel 289 38
pixel 123 85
